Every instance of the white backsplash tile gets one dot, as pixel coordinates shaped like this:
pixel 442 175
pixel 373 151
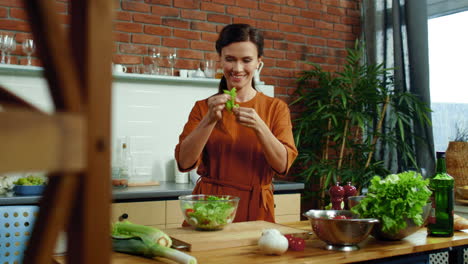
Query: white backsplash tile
pixel 151 113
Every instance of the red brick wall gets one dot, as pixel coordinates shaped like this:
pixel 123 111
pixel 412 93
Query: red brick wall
pixel 295 31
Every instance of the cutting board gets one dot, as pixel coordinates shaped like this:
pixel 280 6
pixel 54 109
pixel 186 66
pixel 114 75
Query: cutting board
pixel 141 184
pixel 233 235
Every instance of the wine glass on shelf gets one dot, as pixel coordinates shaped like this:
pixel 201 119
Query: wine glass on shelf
pixel 29 47
pixel 4 39
pixel 172 59
pixel 11 47
pixel 155 56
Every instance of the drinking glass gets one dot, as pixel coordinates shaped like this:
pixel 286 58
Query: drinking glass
pixel 136 69
pixel 172 59
pixel 155 56
pixel 210 68
pixel 10 48
pixel 29 47
pixel 4 46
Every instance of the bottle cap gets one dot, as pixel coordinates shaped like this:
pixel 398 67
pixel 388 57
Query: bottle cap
pixel 440 155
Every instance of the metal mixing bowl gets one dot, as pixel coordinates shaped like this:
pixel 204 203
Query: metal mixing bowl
pixel 340 234
pixel 353 200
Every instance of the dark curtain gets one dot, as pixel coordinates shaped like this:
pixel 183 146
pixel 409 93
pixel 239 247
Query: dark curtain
pixel 396 34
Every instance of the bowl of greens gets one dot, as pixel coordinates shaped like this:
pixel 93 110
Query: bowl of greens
pixel 400 202
pixel 209 212
pixel 30 185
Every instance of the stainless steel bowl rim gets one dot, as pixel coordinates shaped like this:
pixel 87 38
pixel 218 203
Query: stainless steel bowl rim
pixel 361 220
pixel 329 214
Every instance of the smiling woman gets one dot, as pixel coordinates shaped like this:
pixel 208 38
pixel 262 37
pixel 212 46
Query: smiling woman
pixel 240 61
pixel 238 152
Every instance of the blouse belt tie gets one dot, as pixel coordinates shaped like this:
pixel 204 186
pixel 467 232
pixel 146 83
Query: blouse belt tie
pixel 255 201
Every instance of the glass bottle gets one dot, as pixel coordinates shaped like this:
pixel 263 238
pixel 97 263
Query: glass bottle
pixel 441 185
pixel 117 163
pixel 127 165
pixel 122 167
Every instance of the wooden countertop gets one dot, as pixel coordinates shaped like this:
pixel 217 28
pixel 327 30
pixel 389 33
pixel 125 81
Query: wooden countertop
pixel 314 252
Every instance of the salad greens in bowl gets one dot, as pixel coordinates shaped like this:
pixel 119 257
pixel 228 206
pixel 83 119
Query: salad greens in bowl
pixel 209 212
pixel 400 202
pixel 30 185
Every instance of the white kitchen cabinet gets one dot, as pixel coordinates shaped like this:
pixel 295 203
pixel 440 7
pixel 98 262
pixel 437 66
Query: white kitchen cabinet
pixel 143 213
pixel 167 214
pixel 287 207
pixel 174 217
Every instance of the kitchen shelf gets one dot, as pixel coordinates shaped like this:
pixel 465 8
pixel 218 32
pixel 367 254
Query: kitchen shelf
pixel 35 71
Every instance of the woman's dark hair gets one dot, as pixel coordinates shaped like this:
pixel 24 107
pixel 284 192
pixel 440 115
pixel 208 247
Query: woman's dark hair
pixel 238 33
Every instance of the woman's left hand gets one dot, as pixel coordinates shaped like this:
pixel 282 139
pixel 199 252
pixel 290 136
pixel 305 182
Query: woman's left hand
pixel 274 150
pixel 248 117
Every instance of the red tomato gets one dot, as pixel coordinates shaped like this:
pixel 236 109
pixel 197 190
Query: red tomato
pixel 340 217
pixel 189 211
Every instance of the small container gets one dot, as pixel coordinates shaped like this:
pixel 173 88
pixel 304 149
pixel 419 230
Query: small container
pixel 123 166
pixel 199 74
pixel 219 74
pixel 29 189
pixel 194 176
pixel 180 177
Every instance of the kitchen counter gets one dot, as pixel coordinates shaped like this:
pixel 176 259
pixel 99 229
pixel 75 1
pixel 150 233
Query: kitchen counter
pixel 416 245
pixel 165 191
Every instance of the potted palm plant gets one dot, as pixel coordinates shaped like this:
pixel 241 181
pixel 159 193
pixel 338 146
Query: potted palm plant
pixel 340 122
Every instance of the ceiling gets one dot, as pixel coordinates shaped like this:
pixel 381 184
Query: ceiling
pixel 436 8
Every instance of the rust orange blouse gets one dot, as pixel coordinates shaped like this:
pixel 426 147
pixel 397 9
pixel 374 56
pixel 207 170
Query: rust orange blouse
pixel 232 161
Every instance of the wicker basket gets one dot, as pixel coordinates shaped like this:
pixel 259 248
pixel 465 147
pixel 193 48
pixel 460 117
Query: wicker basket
pixel 457 162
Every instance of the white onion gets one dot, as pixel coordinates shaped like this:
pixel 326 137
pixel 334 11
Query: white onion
pixel 272 242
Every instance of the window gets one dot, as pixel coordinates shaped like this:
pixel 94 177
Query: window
pixel 448 66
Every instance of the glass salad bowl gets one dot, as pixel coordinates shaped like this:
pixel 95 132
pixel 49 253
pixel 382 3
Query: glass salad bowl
pixel 209 212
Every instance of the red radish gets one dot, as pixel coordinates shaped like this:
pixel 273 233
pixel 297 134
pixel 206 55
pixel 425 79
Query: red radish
pixel 295 243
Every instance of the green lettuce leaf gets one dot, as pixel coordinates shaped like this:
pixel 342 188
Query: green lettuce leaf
pixel 394 199
pixel 230 104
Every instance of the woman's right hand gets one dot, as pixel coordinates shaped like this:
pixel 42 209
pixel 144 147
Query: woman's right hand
pixel 216 104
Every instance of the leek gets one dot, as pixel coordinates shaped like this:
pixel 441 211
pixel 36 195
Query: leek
pixel 136 246
pixel 146 233
pixel 146 241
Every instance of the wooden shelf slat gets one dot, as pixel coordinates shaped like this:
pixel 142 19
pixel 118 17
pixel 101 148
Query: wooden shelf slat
pixel 34 141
